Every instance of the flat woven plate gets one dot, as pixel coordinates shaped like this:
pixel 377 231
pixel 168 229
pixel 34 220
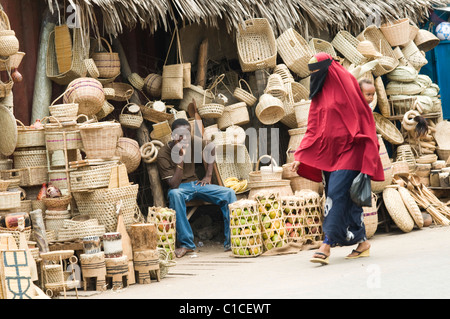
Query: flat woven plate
pixel 397 209
pixel 442 135
pixel 8 131
pixel 412 206
pixel 387 129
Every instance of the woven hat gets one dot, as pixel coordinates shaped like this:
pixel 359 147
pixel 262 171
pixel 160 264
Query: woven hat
pixel 397 209
pixel 367 49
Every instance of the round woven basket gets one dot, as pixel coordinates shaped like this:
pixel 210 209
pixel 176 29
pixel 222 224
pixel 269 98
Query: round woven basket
pixel 30 157
pixel 387 129
pixel 108 63
pixel 426 40
pixel 87 93
pixel 397 209
pixel 269 110
pixel 129 153
pixel 400 168
pixel 57 203
pixel 152 85
pixel 130 120
pixel 397 32
pixel 210 110
pixel 63 112
pixel 243 95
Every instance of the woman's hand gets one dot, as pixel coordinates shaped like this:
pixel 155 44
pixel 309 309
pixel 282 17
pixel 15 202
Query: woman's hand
pixel 294 166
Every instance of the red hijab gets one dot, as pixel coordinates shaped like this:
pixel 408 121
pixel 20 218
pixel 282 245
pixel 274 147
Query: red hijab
pixel 341 130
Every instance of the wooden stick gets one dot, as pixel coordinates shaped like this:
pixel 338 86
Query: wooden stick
pixel 202 63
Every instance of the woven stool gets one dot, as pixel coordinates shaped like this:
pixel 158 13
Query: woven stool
pixel 144 262
pixel 117 269
pixel 94 266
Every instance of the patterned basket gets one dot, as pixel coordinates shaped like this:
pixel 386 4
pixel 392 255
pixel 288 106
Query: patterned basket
pixel 57 203
pixel 295 52
pixel 233 161
pixel 152 85
pixel 153 115
pixel 88 93
pixel 129 153
pixel 28 136
pixel 29 158
pixel 91 177
pixel 108 63
pixel 256 45
pixel 414 56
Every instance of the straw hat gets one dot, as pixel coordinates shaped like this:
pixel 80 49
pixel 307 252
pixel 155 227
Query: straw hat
pixel 367 49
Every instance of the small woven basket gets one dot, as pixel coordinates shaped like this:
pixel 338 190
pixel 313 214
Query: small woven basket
pixel 57 203
pixel 210 110
pixel 108 63
pixel 9 44
pixel 269 109
pixel 319 45
pixel 244 95
pixel 130 120
pixel 235 114
pixel 275 86
pixel 152 85
pixel 63 112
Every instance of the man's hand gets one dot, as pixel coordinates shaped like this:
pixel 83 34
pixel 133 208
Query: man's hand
pixel 205 181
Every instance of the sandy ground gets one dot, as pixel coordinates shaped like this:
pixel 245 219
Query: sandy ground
pixel 401 265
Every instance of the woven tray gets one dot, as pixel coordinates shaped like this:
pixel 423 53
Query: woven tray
pixel 387 129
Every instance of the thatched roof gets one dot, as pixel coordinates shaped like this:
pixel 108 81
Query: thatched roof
pixel 305 15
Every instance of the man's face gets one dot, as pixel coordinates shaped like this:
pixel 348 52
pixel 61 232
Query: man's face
pixel 182 135
pixel 368 90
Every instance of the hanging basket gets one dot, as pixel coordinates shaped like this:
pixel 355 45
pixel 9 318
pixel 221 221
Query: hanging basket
pixel 295 52
pixel 243 95
pixel 87 93
pixel 235 114
pixel 269 109
pixel 210 110
pixel 152 85
pixel 152 115
pixel 397 32
pixel 130 120
pixel 108 63
pixel 256 45
pixel 9 44
pixel 347 45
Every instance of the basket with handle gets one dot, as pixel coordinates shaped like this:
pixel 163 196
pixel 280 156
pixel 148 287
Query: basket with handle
pixel 235 114
pixel 295 52
pixel 63 112
pixel 256 45
pixel 130 120
pixel 347 44
pixel 210 110
pixel 77 69
pixel 122 91
pixel 100 139
pixel 108 63
pixel 396 32
pixel 244 95
pixel 152 115
pixel 173 75
pixel 58 137
pixel 87 93
pixel 28 136
pixel 9 44
pixel 273 171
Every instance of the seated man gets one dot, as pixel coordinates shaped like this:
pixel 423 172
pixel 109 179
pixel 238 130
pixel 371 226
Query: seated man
pixel 176 163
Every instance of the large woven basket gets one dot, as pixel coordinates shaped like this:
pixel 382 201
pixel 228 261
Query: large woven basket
pixel 28 136
pixel 29 158
pixel 92 177
pixel 77 69
pixel 397 32
pixel 87 93
pixel 347 44
pixel 269 109
pixel 426 40
pixel 60 137
pixel 378 187
pixel 100 204
pixel 9 200
pixel 256 45
pixel 28 176
pixel 296 136
pixel 244 95
pixel 397 209
pixel 100 139
pixel 108 63
pixel 129 153
pixel 294 51
pixel 233 161
pixel 282 187
pixel 387 129
pixel 235 114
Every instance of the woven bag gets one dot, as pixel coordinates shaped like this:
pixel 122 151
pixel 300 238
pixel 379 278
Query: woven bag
pixel 397 32
pixel 87 93
pixel 269 110
pixel 108 63
pixel 78 67
pixel 347 45
pixel 173 75
pixel 9 44
pixel 295 52
pixel 130 120
pixel 256 45
pixel 235 114
pixel 244 95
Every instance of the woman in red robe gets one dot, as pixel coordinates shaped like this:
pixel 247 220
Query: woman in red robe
pixel 339 143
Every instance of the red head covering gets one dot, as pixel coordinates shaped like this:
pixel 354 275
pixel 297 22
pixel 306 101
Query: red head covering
pixel 341 130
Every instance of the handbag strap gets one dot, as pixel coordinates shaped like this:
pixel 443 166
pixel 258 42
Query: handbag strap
pixel 170 46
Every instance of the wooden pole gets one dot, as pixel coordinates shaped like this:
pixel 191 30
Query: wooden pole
pixel 202 64
pixel 143 135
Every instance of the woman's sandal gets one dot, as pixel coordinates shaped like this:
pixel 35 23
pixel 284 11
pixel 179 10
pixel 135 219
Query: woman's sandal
pixel 365 253
pixel 321 260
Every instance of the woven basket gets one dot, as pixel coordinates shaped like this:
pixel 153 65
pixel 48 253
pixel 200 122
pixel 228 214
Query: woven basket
pixel 9 200
pixel 28 176
pixel 129 153
pixel 197 94
pixel 367 49
pixel 108 63
pixel 377 187
pixel 122 91
pixel 404 88
pixel 28 136
pixel 443 154
pixel 403 74
pixel 60 137
pixel 235 114
pixel 87 93
pixel 275 86
pixel 12 62
pixel 100 204
pixel 92 177
pixel 388 61
pixel 400 168
pixel 233 161
pixel 154 116
pixel 319 45
pixel 59 178
pixel 281 187
pixel 370 217
pixel 404 153
pixel 295 52
pixel 244 96
pixel 63 47
pixel 16 234
pixel 387 129
pixel 256 176
pixel 414 56
pixel 77 69
pixel 100 139
pixel 256 45
pixel 91 68
pixel 269 109
pixel 397 209
pixel 29 158
pixel 271 172
pixel 296 136
pixel 412 206
pixel 426 40
pixel 397 32
pixel 63 112
pixel 57 203
pixel 347 45
pixel 302 112
pixel 9 44
pixel 152 85
pixel 210 110
pixel 130 120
